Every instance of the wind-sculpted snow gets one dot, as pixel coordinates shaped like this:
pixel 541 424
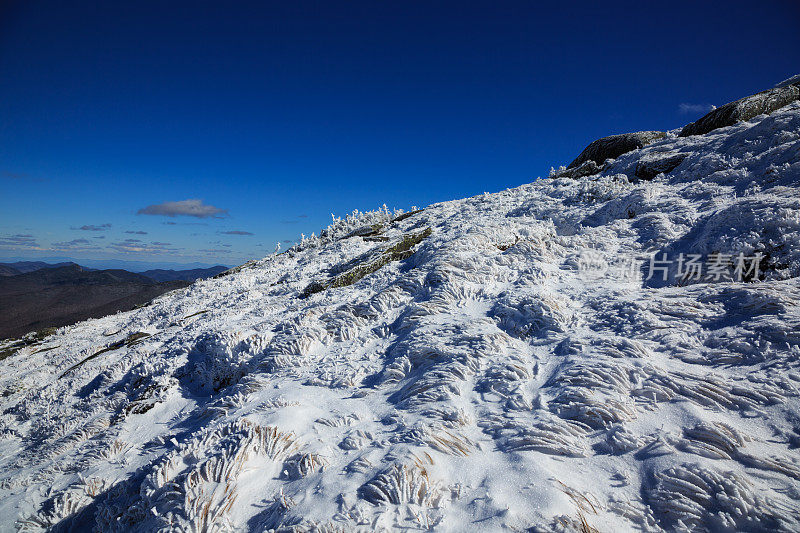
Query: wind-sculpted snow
pixel 470 377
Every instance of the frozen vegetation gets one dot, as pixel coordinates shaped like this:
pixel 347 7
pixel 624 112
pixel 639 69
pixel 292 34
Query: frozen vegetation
pixel 451 368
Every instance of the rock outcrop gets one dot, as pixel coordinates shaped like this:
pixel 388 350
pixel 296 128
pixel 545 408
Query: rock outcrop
pixel 647 169
pixel 588 168
pixel 614 146
pixel 744 109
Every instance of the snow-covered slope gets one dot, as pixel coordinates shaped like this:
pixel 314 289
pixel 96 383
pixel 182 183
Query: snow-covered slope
pixel 470 377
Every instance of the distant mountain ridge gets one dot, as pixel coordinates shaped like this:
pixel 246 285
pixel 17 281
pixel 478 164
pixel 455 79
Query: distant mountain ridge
pixel 36 295
pixel 60 296
pixel 159 274
pixel 22 267
pixel 8 271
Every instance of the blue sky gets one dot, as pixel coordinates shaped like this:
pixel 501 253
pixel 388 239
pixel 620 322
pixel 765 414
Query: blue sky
pixel 263 118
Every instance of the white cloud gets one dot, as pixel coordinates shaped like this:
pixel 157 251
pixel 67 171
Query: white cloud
pixel 136 246
pixel 92 227
pixel 686 109
pixel 189 208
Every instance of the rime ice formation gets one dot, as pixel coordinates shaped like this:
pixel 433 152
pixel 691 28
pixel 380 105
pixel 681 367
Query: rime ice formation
pixel 469 377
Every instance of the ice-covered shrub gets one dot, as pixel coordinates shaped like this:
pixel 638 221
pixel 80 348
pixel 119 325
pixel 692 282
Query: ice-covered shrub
pixel 532 312
pixel 216 361
pixel 403 483
pixel 690 497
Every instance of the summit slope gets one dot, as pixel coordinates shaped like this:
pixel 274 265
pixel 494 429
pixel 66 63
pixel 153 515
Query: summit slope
pixel 455 368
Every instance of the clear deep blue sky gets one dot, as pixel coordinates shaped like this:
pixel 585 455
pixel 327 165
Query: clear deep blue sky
pixel 283 112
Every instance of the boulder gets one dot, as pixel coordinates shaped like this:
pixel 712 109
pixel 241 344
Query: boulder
pixel 647 169
pixel 615 145
pixel 744 109
pixel 588 168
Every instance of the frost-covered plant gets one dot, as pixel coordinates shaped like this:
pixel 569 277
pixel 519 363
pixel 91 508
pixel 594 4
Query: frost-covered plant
pixel 217 360
pixel 552 436
pixel 302 464
pixel 602 189
pixel 340 227
pixel 61 507
pixel 691 497
pixel 403 483
pixel 532 313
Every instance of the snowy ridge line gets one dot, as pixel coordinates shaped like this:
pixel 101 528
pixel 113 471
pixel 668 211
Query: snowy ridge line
pixel 477 382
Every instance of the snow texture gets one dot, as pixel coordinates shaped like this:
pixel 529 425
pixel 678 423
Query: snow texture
pixel 466 378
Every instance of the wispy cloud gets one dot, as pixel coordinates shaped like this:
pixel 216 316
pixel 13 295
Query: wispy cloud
pixel 14 175
pixel 236 232
pixel 687 109
pixel 294 221
pixel 75 245
pixel 19 240
pixel 189 208
pixel 131 232
pixel 215 251
pixel 131 246
pixel 92 227
pixel 19 176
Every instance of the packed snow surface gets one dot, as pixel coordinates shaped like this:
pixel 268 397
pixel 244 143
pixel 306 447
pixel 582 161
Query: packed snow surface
pixel 469 377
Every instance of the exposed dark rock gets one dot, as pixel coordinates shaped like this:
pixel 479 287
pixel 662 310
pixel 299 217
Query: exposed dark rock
pixel 615 145
pixel 588 168
pixel 366 231
pixel 743 109
pixel 404 216
pixel 130 340
pixel 236 269
pixel 647 169
pixel 398 252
